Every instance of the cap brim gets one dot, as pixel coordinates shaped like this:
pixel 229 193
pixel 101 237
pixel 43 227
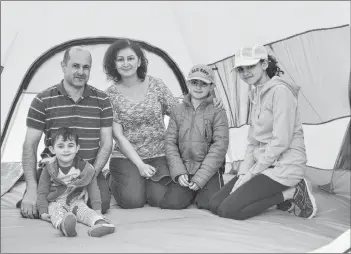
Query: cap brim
pixel 202 79
pixel 245 62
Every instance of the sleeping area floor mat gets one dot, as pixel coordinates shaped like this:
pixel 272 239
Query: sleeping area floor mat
pixel 150 229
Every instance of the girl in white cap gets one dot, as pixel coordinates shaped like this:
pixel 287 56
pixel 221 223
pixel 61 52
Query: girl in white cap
pixel 274 166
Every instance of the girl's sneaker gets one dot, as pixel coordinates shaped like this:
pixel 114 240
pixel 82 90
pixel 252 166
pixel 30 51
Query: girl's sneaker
pixel 68 225
pixel 304 200
pixel 99 230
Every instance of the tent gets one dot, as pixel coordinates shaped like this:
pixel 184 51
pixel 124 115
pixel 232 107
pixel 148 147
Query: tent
pixel 175 35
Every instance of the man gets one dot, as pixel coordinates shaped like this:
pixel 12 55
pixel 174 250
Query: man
pixel 74 104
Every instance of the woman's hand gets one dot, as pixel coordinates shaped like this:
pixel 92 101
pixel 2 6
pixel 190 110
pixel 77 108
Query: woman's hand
pixel 46 217
pixel 193 186
pixel 183 180
pixel 146 170
pixel 241 180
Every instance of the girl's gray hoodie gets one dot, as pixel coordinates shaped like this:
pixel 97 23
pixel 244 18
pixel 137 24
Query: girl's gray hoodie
pixel 276 145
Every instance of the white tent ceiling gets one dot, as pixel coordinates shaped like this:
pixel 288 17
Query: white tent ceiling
pixel 211 30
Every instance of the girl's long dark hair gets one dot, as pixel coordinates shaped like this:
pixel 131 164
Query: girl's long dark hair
pixel 273 68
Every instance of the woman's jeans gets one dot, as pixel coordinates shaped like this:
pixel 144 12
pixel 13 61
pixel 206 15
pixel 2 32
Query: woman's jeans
pixel 131 190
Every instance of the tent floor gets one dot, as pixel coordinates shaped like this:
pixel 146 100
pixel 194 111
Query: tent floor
pixel 154 230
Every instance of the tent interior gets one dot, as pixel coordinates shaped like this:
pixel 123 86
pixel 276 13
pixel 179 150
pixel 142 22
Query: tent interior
pixel 313 52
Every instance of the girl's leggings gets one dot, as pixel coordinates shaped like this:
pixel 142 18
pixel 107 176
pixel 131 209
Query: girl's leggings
pixel 249 200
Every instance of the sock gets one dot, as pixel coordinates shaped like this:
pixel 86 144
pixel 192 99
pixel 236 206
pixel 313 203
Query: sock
pixel 101 221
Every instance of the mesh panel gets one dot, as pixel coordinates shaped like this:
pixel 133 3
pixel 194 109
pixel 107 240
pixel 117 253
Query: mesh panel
pixel 246 52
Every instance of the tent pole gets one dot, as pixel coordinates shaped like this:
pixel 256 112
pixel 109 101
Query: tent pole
pixel 9 50
pixel 329 187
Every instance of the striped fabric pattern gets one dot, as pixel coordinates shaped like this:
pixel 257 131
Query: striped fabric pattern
pixel 54 108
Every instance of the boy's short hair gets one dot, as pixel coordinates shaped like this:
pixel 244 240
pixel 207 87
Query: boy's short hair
pixel 65 133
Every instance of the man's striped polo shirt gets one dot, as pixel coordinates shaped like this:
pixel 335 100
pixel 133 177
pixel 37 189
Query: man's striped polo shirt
pixel 54 108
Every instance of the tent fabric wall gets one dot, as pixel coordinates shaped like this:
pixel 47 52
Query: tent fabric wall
pixel 324 141
pixel 319 62
pixel 344 157
pixel 235 97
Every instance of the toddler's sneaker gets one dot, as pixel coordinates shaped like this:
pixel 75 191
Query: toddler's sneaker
pixel 68 225
pixel 99 230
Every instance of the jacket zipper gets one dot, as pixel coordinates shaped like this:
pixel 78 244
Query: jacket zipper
pixel 191 138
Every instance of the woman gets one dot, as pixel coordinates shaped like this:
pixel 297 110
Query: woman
pixel 275 161
pixel 138 165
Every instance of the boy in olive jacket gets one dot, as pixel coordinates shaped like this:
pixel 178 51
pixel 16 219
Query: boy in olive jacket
pixel 196 143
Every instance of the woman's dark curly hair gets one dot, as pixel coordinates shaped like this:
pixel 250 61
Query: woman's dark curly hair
pixel 273 68
pixel 109 63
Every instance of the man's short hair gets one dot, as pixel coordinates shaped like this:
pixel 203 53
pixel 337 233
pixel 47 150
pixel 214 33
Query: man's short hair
pixel 67 53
